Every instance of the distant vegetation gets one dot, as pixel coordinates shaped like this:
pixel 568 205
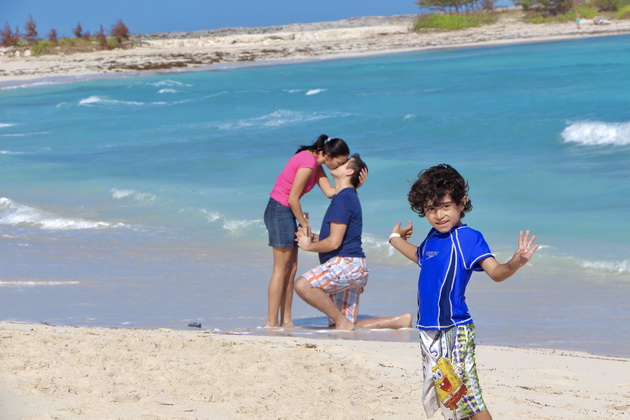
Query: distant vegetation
pixel 118 37
pixel 624 12
pixel 454 21
pixel 458 14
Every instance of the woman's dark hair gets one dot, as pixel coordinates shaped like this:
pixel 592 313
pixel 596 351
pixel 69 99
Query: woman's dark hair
pixel 435 183
pixel 332 147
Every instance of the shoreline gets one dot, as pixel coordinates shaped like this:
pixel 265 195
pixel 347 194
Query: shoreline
pixel 92 373
pixel 237 47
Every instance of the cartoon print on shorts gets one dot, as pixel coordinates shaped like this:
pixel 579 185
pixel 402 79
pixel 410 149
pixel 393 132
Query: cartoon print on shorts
pixel 448 384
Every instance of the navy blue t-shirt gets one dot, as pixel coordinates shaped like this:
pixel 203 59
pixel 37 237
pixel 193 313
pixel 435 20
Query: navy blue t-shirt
pixel 344 208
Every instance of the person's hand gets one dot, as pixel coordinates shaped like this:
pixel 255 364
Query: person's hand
pixel 525 250
pixel 305 230
pixel 405 232
pixel 304 241
pixel 363 176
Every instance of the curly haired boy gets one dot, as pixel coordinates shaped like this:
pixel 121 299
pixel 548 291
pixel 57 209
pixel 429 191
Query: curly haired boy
pixel 447 258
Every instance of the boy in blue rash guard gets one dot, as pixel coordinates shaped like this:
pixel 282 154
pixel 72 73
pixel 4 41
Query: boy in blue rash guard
pixel 447 257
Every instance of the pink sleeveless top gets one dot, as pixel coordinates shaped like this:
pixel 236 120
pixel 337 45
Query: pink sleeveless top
pixel 284 182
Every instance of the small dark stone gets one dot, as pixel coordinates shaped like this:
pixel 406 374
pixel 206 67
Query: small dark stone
pixel 195 325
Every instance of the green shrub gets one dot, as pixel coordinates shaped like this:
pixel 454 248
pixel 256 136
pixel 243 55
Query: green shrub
pixel 624 13
pixel 586 12
pixel 454 21
pixel 40 47
pixel 539 19
pixel 607 5
pixel 545 7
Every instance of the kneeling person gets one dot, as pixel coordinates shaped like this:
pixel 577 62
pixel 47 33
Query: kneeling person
pixel 334 287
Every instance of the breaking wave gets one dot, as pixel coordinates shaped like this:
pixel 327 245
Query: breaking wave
pixel 120 194
pixel 278 118
pixel 15 214
pixel 597 133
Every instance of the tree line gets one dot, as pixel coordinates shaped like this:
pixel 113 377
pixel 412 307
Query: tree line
pixel 455 14
pixel 118 34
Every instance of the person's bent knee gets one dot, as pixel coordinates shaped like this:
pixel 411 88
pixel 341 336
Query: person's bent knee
pixel 302 285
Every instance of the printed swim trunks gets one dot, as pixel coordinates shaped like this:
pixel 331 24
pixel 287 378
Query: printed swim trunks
pixel 450 372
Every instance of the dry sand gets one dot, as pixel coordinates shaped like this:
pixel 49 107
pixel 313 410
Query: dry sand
pixel 97 373
pixel 347 38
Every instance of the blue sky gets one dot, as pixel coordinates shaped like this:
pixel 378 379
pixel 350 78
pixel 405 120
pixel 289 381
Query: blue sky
pixel 148 16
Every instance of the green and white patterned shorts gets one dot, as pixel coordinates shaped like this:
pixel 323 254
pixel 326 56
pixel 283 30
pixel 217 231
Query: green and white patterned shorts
pixel 450 372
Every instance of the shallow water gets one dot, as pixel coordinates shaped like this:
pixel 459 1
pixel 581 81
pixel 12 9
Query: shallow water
pixel 137 202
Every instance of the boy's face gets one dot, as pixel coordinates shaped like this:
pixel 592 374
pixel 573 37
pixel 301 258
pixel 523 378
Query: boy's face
pixel 444 215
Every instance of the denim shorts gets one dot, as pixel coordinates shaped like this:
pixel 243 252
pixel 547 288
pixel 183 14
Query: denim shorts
pixel 281 225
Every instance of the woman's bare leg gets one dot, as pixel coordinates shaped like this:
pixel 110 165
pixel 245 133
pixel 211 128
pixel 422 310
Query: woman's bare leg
pixel 284 264
pixel 287 294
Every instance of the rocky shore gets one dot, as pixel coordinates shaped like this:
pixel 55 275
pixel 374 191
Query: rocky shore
pixel 178 51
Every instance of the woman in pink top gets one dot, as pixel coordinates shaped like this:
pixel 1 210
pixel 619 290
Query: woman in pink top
pixel 284 213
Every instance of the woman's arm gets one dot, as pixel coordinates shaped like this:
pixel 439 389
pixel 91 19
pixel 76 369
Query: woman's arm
pixel 299 183
pixel 324 184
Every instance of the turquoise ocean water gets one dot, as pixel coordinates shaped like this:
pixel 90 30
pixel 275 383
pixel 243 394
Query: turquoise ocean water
pixel 138 202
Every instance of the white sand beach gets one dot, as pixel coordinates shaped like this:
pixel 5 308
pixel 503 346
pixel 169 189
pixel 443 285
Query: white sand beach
pixel 346 38
pixel 97 373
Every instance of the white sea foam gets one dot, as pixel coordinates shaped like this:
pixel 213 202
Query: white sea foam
pixel 90 100
pixel 597 133
pixel 169 83
pixel 231 225
pixel 96 100
pixel 315 91
pixel 34 283
pixel 119 194
pixel 211 216
pixel 24 134
pixel 278 118
pixel 614 267
pixel 15 214
pixel 3 125
pixel 168 90
pixel 235 225
pixel 377 245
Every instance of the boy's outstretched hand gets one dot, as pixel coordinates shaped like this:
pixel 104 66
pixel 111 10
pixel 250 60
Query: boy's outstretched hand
pixel 405 232
pixel 408 250
pixel 499 272
pixel 525 250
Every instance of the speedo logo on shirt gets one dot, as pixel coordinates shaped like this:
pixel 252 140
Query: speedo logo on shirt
pixel 431 254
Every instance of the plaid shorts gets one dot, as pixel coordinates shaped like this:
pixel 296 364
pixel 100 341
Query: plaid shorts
pixel 450 372
pixel 343 279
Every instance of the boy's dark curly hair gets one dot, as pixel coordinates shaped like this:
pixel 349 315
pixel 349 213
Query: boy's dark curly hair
pixel 434 184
